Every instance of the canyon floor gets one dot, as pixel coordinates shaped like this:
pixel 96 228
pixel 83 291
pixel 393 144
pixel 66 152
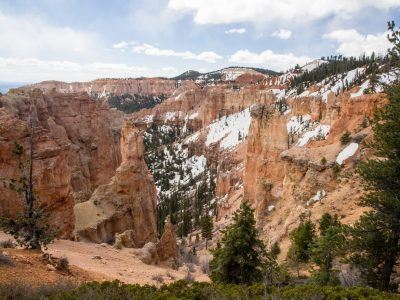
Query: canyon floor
pixel 89 262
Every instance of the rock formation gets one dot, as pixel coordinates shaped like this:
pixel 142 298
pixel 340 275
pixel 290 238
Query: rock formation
pixel 127 201
pixel 76 149
pixel 166 246
pixel 107 86
pixel 79 147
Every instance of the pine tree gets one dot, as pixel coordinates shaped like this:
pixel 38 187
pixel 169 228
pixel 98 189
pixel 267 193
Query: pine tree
pixel 238 258
pixel 206 228
pixel 374 239
pixel 302 239
pixel 326 247
pixel 30 228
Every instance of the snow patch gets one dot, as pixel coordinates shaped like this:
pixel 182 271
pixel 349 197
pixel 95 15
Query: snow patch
pixel 347 152
pixel 318 133
pixel 229 129
pixel 317 197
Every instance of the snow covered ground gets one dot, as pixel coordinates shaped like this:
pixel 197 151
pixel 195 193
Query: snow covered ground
pixel 229 130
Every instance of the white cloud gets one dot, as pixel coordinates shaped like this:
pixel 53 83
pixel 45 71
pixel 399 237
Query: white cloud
pixel 236 30
pixel 34 70
pixel 169 70
pixel 352 43
pixel 268 59
pixel 27 36
pixel 123 44
pixel 207 56
pixel 283 34
pixel 264 11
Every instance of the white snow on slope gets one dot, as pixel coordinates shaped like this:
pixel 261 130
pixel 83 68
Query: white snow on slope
pixel 320 132
pixel 347 152
pixel 360 92
pixel 313 64
pixel 298 124
pixel 228 128
pixel 317 197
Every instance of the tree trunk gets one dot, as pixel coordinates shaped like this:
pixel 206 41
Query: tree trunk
pixel 390 262
pixel 34 244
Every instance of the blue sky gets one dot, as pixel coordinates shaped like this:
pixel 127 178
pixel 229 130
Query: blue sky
pixel 87 39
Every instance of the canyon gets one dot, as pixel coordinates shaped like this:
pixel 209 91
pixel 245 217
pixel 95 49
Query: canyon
pixel 108 176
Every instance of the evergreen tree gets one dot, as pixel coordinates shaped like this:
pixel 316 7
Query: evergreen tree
pixel 326 247
pixel 302 239
pixel 239 257
pixel 374 239
pixel 275 250
pixel 30 228
pixel 206 228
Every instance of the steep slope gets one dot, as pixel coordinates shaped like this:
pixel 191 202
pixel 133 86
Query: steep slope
pixel 76 150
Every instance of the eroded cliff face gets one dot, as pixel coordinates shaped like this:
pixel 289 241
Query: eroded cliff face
pixel 127 202
pixel 288 172
pixel 78 148
pixel 108 86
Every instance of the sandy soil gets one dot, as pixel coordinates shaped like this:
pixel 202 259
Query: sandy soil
pixel 99 262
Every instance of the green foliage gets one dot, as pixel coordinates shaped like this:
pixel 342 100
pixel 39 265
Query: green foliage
pixel 327 221
pixel 375 237
pixel 336 66
pixel 130 103
pixel 326 247
pixel 238 259
pixel 181 290
pixel 302 239
pixel 323 160
pixel 345 138
pixel 275 250
pixel 206 227
pixel 30 228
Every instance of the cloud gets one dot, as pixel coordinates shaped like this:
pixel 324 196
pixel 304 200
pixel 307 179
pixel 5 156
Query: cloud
pixel 169 70
pixel 268 59
pixel 34 70
pixel 283 34
pixel 267 11
pixel 352 43
pixel 236 30
pixel 29 36
pixel 124 44
pixel 207 56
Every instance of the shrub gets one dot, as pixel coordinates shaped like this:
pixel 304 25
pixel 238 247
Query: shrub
pixel 202 290
pixel 191 267
pixel 345 138
pixel 5 260
pixel 189 277
pixel 24 291
pixel 158 278
pixel 205 267
pixel 7 244
pixel 323 160
pixel 336 168
pixel 63 264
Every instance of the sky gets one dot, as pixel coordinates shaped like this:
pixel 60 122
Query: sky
pixel 80 40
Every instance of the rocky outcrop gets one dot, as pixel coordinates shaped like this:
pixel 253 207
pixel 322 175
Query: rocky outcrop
pixel 76 148
pixel 206 103
pixel 167 246
pixel 127 201
pixel 283 179
pixel 114 86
